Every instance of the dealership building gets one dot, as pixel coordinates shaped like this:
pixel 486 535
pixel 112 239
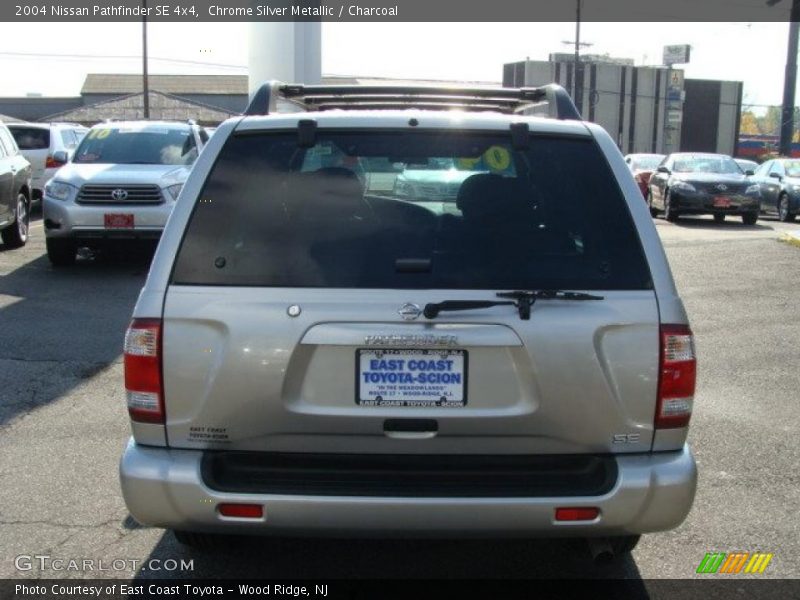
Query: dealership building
pixel 644 109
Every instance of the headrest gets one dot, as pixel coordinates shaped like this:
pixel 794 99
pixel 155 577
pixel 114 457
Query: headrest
pixel 488 195
pixel 328 193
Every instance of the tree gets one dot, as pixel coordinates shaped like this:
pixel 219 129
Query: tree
pixel 749 124
pixel 771 121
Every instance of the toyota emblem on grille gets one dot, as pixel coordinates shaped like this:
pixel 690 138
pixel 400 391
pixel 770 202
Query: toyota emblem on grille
pixel 119 194
pixel 409 311
pixel 722 187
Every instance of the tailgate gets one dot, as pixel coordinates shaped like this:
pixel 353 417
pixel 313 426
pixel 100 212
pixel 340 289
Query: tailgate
pixel 350 375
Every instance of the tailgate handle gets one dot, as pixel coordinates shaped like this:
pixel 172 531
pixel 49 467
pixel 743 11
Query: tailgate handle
pixel 410 429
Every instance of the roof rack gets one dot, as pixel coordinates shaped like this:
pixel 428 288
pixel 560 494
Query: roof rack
pixel 276 96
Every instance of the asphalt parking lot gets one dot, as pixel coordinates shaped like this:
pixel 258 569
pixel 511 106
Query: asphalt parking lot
pixel 63 426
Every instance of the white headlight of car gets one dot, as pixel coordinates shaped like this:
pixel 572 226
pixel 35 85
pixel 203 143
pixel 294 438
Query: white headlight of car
pixel 753 189
pixel 174 190
pixel 60 191
pixel 683 186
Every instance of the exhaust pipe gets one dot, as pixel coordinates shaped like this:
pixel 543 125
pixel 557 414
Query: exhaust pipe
pixel 601 551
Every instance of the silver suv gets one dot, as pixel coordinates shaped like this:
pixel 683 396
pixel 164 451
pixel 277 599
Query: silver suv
pixel 313 354
pixel 121 183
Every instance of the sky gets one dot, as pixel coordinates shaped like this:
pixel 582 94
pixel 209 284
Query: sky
pixel 52 59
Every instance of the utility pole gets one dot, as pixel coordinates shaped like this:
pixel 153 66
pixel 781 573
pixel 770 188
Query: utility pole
pixel 145 84
pixel 790 79
pixel 577 64
pixel 789 84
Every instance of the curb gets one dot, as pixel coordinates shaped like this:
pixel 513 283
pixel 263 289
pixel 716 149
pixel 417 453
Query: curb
pixel 791 237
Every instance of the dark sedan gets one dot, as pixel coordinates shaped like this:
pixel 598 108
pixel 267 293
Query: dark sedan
pixel 779 183
pixel 698 184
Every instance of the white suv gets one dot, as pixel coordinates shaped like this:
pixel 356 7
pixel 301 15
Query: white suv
pixel 121 184
pixel 314 353
pixel 47 147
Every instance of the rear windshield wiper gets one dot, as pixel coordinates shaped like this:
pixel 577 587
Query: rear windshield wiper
pixel 523 300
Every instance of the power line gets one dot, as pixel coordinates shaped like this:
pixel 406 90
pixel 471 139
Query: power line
pixel 121 57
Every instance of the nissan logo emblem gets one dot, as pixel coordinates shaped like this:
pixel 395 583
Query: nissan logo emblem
pixel 119 194
pixel 409 311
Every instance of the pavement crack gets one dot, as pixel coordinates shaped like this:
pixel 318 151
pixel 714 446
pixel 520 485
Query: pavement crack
pixel 56 524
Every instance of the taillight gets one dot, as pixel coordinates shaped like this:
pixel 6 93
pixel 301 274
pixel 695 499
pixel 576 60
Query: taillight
pixel 577 513
pixel 143 371
pixel 677 376
pixel 242 511
pixel 52 163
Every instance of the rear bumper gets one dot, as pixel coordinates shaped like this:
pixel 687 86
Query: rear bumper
pixel 165 488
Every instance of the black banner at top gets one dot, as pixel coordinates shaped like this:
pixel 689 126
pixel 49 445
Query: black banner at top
pixel 651 11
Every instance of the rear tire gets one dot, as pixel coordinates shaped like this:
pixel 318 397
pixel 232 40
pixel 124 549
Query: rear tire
pixel 784 213
pixel 624 544
pixel 200 541
pixel 719 218
pixel 61 252
pixel 750 218
pixel 15 235
pixel 670 214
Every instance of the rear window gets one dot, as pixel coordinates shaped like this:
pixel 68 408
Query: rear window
pixel 411 210
pixel 69 139
pixel 31 138
pixel 137 146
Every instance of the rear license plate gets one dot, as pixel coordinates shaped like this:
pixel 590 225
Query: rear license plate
pixel 411 378
pixel 722 202
pixel 118 221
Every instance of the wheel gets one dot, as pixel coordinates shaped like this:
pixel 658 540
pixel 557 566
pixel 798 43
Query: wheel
pixel 200 541
pixel 750 218
pixel 16 235
pixel 670 214
pixel 784 214
pixel 624 544
pixel 61 252
pixel 653 211
pixel 719 218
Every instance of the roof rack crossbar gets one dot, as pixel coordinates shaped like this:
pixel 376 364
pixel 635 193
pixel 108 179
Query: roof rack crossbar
pixel 321 99
pixel 394 105
pixel 325 97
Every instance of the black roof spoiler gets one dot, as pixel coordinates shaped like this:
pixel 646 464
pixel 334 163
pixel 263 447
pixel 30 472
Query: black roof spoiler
pixel 276 96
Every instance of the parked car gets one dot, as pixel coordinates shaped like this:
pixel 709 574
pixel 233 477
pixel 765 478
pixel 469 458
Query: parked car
pixel 121 184
pixel 696 184
pixel 308 356
pixel 748 167
pixel 642 166
pixel 779 183
pixel 15 192
pixel 41 144
pixel 432 180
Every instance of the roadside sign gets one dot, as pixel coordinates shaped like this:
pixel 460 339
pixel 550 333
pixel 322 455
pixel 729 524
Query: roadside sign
pixel 676 80
pixel 677 54
pixel 674 116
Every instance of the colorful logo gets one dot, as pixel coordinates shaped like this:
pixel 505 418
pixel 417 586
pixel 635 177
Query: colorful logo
pixel 734 563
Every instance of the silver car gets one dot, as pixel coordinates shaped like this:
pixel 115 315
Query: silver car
pixel 310 355
pixel 121 184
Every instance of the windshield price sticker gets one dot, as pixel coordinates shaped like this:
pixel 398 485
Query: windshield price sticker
pixel 411 378
pixel 99 134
